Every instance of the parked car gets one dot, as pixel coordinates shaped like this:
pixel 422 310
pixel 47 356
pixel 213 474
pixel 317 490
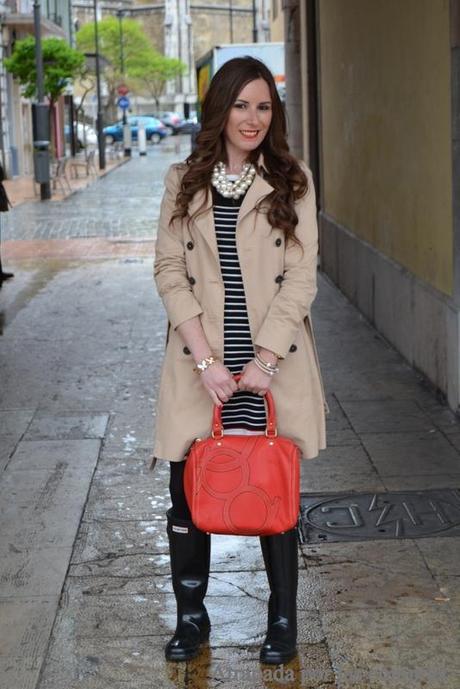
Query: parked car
pixel 85 135
pixel 193 117
pixel 172 120
pixel 190 126
pixel 177 124
pixel 155 130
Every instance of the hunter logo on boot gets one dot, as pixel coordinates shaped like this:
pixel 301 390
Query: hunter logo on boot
pixel 180 529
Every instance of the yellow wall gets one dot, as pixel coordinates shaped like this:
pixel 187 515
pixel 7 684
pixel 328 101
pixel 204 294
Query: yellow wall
pixel 386 128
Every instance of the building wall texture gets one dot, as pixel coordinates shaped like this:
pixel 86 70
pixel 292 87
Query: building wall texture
pixel 389 172
pixel 386 129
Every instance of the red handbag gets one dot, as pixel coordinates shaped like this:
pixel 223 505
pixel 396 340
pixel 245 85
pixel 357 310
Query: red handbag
pixel 246 485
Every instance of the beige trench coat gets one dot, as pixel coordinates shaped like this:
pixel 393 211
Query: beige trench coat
pixel 280 286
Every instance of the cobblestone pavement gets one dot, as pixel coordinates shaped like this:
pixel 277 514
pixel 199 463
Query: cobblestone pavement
pixel 85 594
pixel 123 203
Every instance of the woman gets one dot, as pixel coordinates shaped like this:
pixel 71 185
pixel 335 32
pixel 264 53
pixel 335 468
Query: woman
pixel 235 266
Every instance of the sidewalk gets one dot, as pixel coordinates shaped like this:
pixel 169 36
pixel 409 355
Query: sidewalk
pixel 86 599
pixel 23 189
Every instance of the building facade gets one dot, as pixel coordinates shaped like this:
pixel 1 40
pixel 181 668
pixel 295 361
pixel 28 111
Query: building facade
pixel 16 22
pixel 377 118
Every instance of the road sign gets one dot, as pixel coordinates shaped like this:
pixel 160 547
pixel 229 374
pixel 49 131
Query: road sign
pixel 123 103
pixel 122 90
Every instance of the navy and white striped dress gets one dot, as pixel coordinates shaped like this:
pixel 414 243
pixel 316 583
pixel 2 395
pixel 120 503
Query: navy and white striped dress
pixel 245 411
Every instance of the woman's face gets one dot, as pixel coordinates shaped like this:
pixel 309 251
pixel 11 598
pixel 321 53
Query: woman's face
pixel 249 118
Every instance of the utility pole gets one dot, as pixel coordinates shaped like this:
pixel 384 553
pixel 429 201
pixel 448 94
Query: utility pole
pixel 99 123
pixel 254 22
pixel 126 127
pixel 41 122
pixel 122 59
pixel 230 9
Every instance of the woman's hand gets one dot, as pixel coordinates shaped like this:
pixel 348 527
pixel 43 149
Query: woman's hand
pixel 254 380
pixel 219 383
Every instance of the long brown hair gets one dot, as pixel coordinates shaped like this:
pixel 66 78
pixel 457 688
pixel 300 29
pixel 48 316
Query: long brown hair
pixel 283 171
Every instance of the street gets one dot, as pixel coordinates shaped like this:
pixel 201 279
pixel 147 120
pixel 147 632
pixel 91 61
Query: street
pixel 85 594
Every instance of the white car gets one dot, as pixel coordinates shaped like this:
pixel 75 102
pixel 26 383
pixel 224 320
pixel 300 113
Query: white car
pixel 86 134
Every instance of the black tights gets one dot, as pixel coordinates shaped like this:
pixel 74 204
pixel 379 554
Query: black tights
pixel 180 508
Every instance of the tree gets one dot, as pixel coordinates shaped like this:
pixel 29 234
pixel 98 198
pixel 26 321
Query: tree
pixel 135 44
pixel 154 70
pixel 61 64
pixel 87 84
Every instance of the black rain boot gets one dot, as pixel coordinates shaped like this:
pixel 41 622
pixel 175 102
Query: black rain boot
pixel 4 275
pixel 190 552
pixel 280 557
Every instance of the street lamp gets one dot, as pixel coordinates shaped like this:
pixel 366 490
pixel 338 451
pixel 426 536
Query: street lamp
pixel 230 9
pixel 122 61
pixel 126 127
pixel 99 123
pixel 41 123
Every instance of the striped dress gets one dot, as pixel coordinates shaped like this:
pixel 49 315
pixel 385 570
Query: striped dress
pixel 245 411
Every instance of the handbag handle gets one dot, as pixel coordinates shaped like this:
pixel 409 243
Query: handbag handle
pixel 270 430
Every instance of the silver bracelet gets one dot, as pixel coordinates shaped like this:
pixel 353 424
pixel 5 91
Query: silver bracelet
pixel 265 369
pixel 267 364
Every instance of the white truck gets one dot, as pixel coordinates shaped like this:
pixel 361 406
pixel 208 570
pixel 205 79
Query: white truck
pixel 272 54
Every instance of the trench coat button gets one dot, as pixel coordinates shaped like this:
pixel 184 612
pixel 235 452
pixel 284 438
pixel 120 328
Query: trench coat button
pixel 192 280
pixel 278 242
pixel 279 279
pixel 190 245
pixel 293 348
pixel 186 350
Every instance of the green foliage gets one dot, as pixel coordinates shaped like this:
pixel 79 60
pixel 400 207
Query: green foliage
pixel 61 64
pixel 144 69
pixel 154 70
pixel 135 42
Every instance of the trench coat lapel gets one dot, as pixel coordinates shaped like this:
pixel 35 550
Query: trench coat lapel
pixel 204 222
pixel 257 191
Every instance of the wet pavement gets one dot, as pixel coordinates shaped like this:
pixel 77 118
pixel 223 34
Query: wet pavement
pixel 85 594
pixel 115 205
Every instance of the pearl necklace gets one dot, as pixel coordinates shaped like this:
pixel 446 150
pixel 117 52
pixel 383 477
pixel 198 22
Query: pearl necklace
pixel 232 189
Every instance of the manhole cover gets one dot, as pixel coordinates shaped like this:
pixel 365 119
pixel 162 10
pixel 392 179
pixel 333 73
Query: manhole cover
pixel 369 516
